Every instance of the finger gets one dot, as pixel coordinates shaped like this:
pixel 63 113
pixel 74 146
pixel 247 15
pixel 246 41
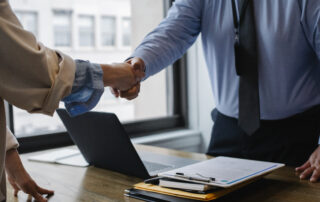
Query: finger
pixel 132 93
pixel 303 167
pixel 32 190
pixel 315 175
pixel 306 173
pixel 132 97
pixel 16 191
pixel 44 191
pixel 137 64
pixel 115 92
pixel 129 61
pixel 15 187
pixel 138 68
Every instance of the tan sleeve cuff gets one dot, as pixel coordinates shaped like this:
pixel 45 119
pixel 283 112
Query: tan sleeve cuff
pixel 62 81
pixel 12 142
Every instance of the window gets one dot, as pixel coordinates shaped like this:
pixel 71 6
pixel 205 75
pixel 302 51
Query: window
pixel 126 31
pixel 62 29
pixel 108 31
pixel 29 20
pixel 86 31
pixel 161 102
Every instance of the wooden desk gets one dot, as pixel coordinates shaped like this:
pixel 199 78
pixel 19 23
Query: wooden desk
pixel 94 184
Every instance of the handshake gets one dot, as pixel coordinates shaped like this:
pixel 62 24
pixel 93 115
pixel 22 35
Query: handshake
pixel 124 78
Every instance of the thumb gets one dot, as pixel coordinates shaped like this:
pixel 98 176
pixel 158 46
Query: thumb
pixel 138 68
pixel 115 92
pixel 137 64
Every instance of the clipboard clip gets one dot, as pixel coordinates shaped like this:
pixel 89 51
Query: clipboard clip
pixel 193 178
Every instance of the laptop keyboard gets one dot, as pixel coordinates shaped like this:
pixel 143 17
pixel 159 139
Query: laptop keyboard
pixel 151 166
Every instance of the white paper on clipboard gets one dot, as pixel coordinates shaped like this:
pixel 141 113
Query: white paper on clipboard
pixel 227 171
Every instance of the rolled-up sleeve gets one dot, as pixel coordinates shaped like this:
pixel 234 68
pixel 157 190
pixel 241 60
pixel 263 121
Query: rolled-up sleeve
pixel 33 77
pixel 87 88
pixel 310 21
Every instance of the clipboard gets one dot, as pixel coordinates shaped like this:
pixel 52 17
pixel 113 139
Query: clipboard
pixel 225 171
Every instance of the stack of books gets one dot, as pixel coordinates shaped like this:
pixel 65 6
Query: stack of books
pixel 168 190
pixel 203 181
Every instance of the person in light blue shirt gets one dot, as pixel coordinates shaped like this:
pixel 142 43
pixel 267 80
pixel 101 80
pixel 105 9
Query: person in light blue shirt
pixel 288 43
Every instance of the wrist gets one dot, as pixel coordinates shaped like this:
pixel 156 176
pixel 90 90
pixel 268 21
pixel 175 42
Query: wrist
pixel 13 161
pixel 10 154
pixel 107 74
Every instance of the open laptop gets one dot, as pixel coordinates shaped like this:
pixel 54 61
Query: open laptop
pixel 104 143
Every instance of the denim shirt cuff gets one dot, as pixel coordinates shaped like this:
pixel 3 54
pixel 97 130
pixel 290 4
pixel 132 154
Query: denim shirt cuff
pixel 87 88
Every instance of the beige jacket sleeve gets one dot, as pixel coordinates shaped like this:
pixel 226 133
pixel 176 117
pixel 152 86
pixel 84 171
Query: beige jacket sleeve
pixel 32 76
pixel 11 141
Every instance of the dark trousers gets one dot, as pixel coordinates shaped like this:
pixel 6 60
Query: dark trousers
pixel 290 141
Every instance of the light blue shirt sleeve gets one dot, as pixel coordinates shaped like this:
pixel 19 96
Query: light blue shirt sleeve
pixel 310 15
pixel 87 88
pixel 170 40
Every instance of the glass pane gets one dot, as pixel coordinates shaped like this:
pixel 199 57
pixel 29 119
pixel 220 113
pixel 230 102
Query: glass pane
pixel 126 31
pixel 108 31
pixel 120 24
pixel 86 31
pixel 62 28
pixel 29 21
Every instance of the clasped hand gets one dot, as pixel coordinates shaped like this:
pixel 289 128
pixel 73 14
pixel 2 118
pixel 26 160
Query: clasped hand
pixel 124 78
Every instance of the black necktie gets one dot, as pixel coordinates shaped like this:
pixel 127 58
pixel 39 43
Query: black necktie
pixel 246 60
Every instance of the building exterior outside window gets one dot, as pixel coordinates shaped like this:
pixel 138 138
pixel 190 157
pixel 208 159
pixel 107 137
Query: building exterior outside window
pixel 29 20
pixel 86 31
pixel 62 28
pixel 108 31
pixel 126 31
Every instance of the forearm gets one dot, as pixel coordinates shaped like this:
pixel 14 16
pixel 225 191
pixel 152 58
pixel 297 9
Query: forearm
pixel 13 163
pixel 170 40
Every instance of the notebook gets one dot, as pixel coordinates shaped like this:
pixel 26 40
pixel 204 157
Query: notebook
pixel 215 194
pixel 178 184
pixel 152 196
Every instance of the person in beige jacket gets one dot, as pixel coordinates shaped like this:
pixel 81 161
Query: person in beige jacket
pixel 35 78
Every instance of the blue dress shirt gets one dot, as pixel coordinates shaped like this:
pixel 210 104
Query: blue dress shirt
pixel 86 90
pixel 288 34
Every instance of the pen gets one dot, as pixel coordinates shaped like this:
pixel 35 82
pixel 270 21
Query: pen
pixel 202 179
pixel 154 181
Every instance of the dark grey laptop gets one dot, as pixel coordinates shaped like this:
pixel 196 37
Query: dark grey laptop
pixel 104 143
